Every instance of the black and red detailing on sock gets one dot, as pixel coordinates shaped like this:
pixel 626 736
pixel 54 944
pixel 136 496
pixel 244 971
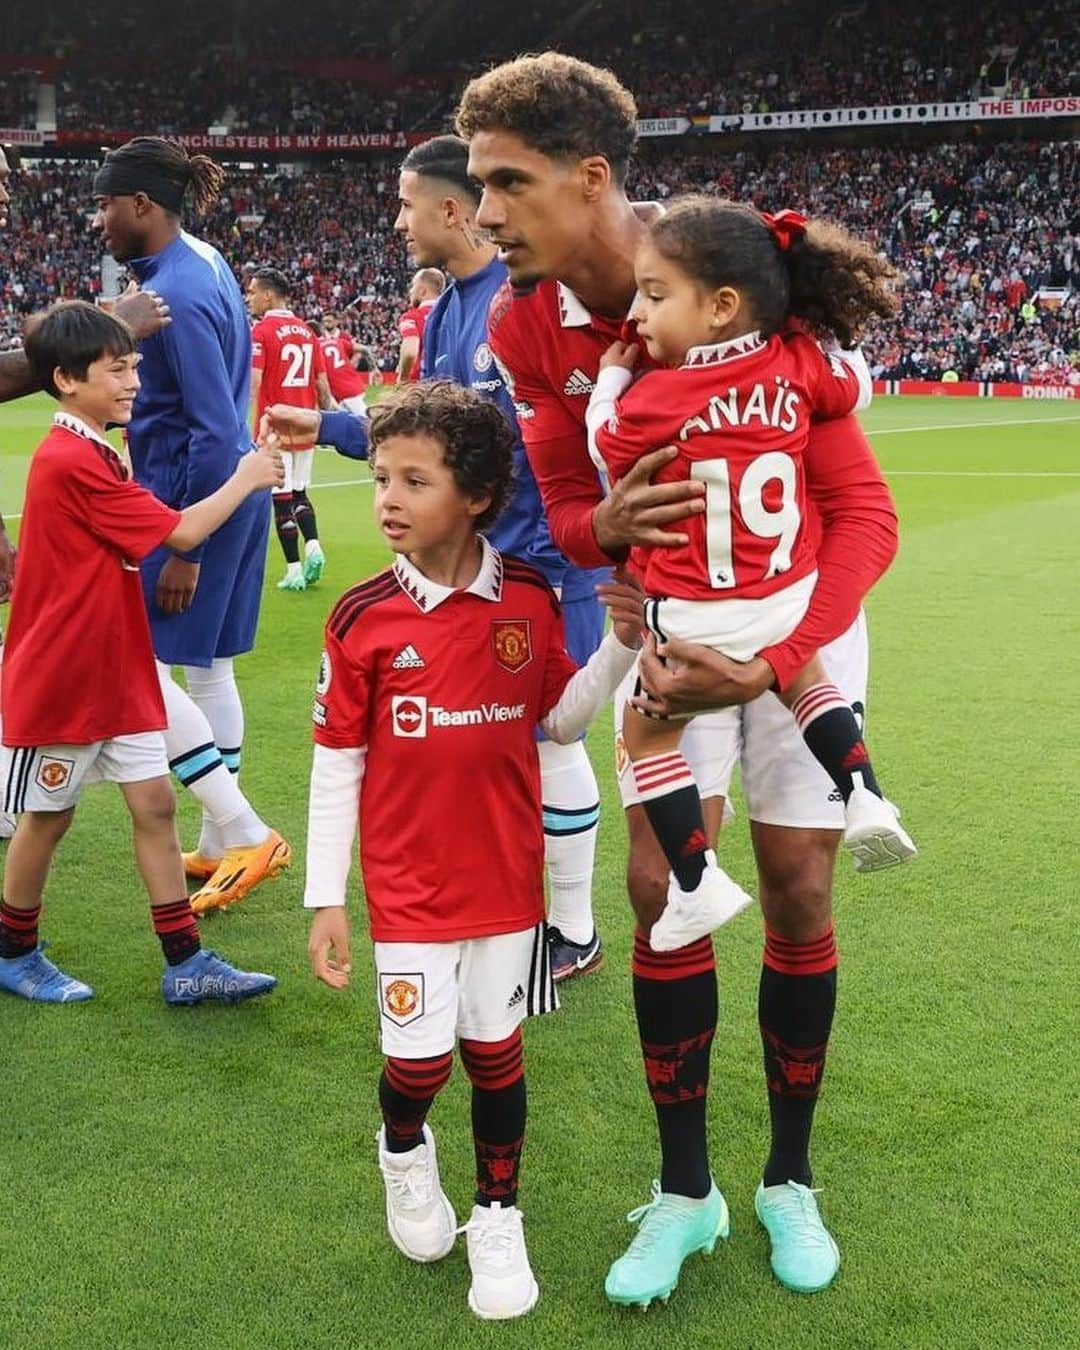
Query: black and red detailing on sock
pixel 675 1001
pixel 407 1088
pixel 833 735
pixel 18 930
pixel 496 1070
pixel 288 532
pixel 672 803
pixel 304 515
pixel 796 1001
pixel 177 929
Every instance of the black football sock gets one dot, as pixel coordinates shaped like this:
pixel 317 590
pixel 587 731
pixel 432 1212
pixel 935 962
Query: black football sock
pixel 288 532
pixel 832 733
pixel 407 1088
pixel 496 1071
pixel 177 930
pixel 670 797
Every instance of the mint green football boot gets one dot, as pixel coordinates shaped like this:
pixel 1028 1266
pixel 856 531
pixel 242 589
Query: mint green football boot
pixel 803 1255
pixel 670 1228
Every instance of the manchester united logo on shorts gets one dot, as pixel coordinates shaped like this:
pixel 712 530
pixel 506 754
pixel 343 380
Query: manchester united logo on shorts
pixel 53 774
pixel 513 645
pixel 402 997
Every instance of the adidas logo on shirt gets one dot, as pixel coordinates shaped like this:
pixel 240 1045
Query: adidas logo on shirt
pixel 577 382
pixel 408 659
pixel 516 997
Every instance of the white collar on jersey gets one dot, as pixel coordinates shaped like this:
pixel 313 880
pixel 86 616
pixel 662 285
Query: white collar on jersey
pixel 428 595
pixel 715 353
pixel 72 423
pixel 573 314
pixel 278 314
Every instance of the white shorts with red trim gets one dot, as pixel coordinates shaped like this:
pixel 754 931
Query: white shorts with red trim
pixel 479 989
pixel 782 781
pixel 52 777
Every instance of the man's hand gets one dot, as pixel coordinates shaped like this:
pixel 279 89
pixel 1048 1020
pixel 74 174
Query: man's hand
pixel 625 602
pixel 176 584
pixel 294 426
pixel 696 679
pixel 7 565
pixel 144 312
pixel 636 510
pixel 328 946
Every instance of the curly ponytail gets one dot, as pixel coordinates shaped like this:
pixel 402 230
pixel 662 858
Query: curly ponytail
pixel 206 177
pixel 826 277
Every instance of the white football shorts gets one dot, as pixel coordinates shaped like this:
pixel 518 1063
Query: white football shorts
pixel 52 777
pixel 298 464
pixel 782 781
pixel 433 993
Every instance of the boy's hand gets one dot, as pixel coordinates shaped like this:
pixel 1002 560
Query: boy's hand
pixel 265 468
pixel 295 426
pixel 623 354
pixel 328 946
pixel 625 602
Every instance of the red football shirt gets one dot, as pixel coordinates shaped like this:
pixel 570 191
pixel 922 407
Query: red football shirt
pixel 345 380
pixel 411 325
pixel 739 413
pixel 79 661
pixel 288 353
pixel 444 688
pixel 549 346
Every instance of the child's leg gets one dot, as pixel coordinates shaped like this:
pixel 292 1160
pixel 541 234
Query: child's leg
pixel 668 793
pixel 496 1070
pixel 152 804
pixel 29 857
pixel 830 729
pixel 407 1089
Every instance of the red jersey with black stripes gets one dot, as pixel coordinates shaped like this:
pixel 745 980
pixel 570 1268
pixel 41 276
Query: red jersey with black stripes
pixel 79 661
pixel 444 689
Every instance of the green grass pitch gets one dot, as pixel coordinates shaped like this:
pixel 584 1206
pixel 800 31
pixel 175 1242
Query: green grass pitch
pixel 206 1177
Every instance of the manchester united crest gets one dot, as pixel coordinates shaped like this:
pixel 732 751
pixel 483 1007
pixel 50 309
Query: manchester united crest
pixel 513 644
pixel 53 774
pixel 402 997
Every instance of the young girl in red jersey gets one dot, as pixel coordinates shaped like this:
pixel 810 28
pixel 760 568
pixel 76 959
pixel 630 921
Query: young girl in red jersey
pixel 719 285
pixel 434 676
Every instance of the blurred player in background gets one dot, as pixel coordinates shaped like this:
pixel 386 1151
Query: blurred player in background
pixel 438 204
pixel 187 433
pixel 424 290
pixel 288 367
pixel 341 356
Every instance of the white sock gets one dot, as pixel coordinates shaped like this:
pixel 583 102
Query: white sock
pixel 196 760
pixel 214 692
pixel 292 569
pixel 571 813
pixel 310 547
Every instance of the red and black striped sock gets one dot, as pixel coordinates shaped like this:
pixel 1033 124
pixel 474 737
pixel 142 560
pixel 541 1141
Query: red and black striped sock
pixel 496 1070
pixel 796 1000
pixel 833 736
pixel 672 803
pixel 407 1088
pixel 18 930
pixel 676 1004
pixel 177 930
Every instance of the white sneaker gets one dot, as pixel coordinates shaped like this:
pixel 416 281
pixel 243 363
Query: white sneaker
pixel 503 1284
pixel 420 1218
pixel 873 834
pixel 7 825
pixel 690 915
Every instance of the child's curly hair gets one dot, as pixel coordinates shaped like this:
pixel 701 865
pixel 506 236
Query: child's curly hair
pixel 477 440
pixel 830 280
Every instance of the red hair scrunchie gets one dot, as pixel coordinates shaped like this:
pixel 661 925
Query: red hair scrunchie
pixel 785 227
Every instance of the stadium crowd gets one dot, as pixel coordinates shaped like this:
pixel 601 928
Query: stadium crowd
pixel 987 241
pixel 848 53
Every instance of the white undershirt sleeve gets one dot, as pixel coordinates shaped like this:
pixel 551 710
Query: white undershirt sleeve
pixel 588 691
pixel 611 383
pixel 333 809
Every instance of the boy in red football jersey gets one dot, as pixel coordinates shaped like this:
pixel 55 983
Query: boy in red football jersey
pixel 434 675
pixel 82 699
pixel 718 285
